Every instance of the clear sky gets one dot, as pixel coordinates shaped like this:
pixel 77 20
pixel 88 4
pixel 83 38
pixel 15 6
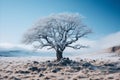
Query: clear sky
pixel 16 16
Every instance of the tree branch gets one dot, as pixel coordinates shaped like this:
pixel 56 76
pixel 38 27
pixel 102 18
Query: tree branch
pixel 78 46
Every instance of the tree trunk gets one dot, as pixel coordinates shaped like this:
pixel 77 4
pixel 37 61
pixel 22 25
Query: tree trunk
pixel 59 55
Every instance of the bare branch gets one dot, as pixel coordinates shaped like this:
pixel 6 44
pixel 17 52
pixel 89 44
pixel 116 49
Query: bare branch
pixel 78 46
pixel 57 31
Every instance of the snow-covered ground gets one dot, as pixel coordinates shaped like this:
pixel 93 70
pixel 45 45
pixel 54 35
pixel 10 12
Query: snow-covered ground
pixel 100 56
pixel 103 56
pixel 9 66
pixel 17 63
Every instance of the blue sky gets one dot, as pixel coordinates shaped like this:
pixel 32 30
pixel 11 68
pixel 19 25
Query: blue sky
pixel 16 16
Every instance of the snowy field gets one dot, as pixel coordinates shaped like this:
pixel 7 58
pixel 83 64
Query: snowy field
pixel 93 56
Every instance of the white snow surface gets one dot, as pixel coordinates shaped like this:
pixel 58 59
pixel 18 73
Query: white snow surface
pixel 93 56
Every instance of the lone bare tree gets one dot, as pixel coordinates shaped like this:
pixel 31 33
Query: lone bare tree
pixel 57 31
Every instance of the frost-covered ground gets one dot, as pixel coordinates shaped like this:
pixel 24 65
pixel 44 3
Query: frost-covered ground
pixel 82 67
pixel 44 57
pixel 99 56
pixel 20 65
pixel 21 55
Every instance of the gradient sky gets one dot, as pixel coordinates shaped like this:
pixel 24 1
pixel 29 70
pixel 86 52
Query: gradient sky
pixel 16 16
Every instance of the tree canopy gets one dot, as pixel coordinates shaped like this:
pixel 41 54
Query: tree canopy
pixel 57 31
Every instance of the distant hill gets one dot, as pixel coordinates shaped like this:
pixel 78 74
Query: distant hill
pixel 19 52
pixel 14 53
pixel 114 49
